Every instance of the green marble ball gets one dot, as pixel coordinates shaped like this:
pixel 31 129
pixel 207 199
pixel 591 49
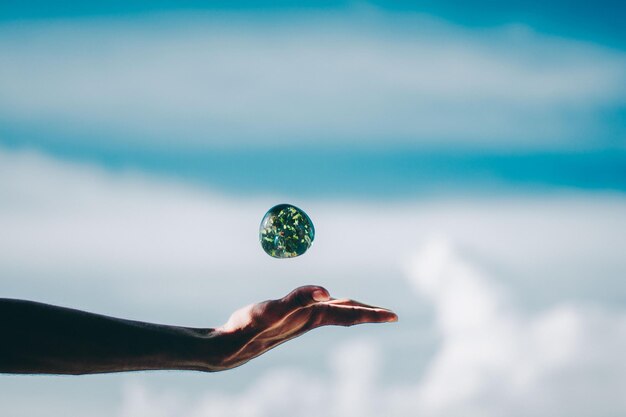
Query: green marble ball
pixel 286 231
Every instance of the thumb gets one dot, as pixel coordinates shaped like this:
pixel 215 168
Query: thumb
pixel 305 296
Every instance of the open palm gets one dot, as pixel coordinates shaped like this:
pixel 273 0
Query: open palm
pixel 255 329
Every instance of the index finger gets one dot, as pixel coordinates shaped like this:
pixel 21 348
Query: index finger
pixel 346 312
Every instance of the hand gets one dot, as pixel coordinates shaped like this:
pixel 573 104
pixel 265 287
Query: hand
pixel 257 328
pixel 45 339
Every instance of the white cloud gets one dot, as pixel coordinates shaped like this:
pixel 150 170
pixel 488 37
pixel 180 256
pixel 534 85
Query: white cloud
pixel 493 360
pixel 129 245
pixel 122 242
pixel 92 228
pixel 231 80
pixel 496 360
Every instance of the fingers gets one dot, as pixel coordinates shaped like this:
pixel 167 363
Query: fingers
pixel 352 303
pixel 310 303
pixel 349 313
pixel 305 296
pixel 297 299
pixel 270 312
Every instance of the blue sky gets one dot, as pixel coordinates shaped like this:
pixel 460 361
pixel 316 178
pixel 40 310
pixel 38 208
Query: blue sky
pixel 358 98
pixel 599 22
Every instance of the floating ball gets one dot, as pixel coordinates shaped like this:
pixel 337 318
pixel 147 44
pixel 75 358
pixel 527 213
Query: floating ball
pixel 286 231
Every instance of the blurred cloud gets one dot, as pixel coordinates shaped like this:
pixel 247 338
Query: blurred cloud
pixel 130 245
pixel 232 80
pixel 93 228
pixel 492 360
pixel 495 360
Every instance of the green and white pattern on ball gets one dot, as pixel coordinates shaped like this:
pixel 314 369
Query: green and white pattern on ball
pixel 286 231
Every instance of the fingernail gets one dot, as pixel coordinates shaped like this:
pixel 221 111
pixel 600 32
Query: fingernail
pixel 319 295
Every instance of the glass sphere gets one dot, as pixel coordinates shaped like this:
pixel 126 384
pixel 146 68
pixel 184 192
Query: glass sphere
pixel 286 231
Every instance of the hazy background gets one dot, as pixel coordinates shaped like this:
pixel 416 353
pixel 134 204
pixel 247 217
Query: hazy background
pixel 464 164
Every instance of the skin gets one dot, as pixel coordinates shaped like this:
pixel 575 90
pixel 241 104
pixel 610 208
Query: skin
pixel 43 339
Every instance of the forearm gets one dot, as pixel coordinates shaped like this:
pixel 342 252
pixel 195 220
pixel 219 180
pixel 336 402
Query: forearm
pixel 40 338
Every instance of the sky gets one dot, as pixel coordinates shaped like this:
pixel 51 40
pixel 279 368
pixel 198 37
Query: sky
pixel 464 164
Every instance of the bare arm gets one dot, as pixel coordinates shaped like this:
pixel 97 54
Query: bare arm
pixel 40 338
